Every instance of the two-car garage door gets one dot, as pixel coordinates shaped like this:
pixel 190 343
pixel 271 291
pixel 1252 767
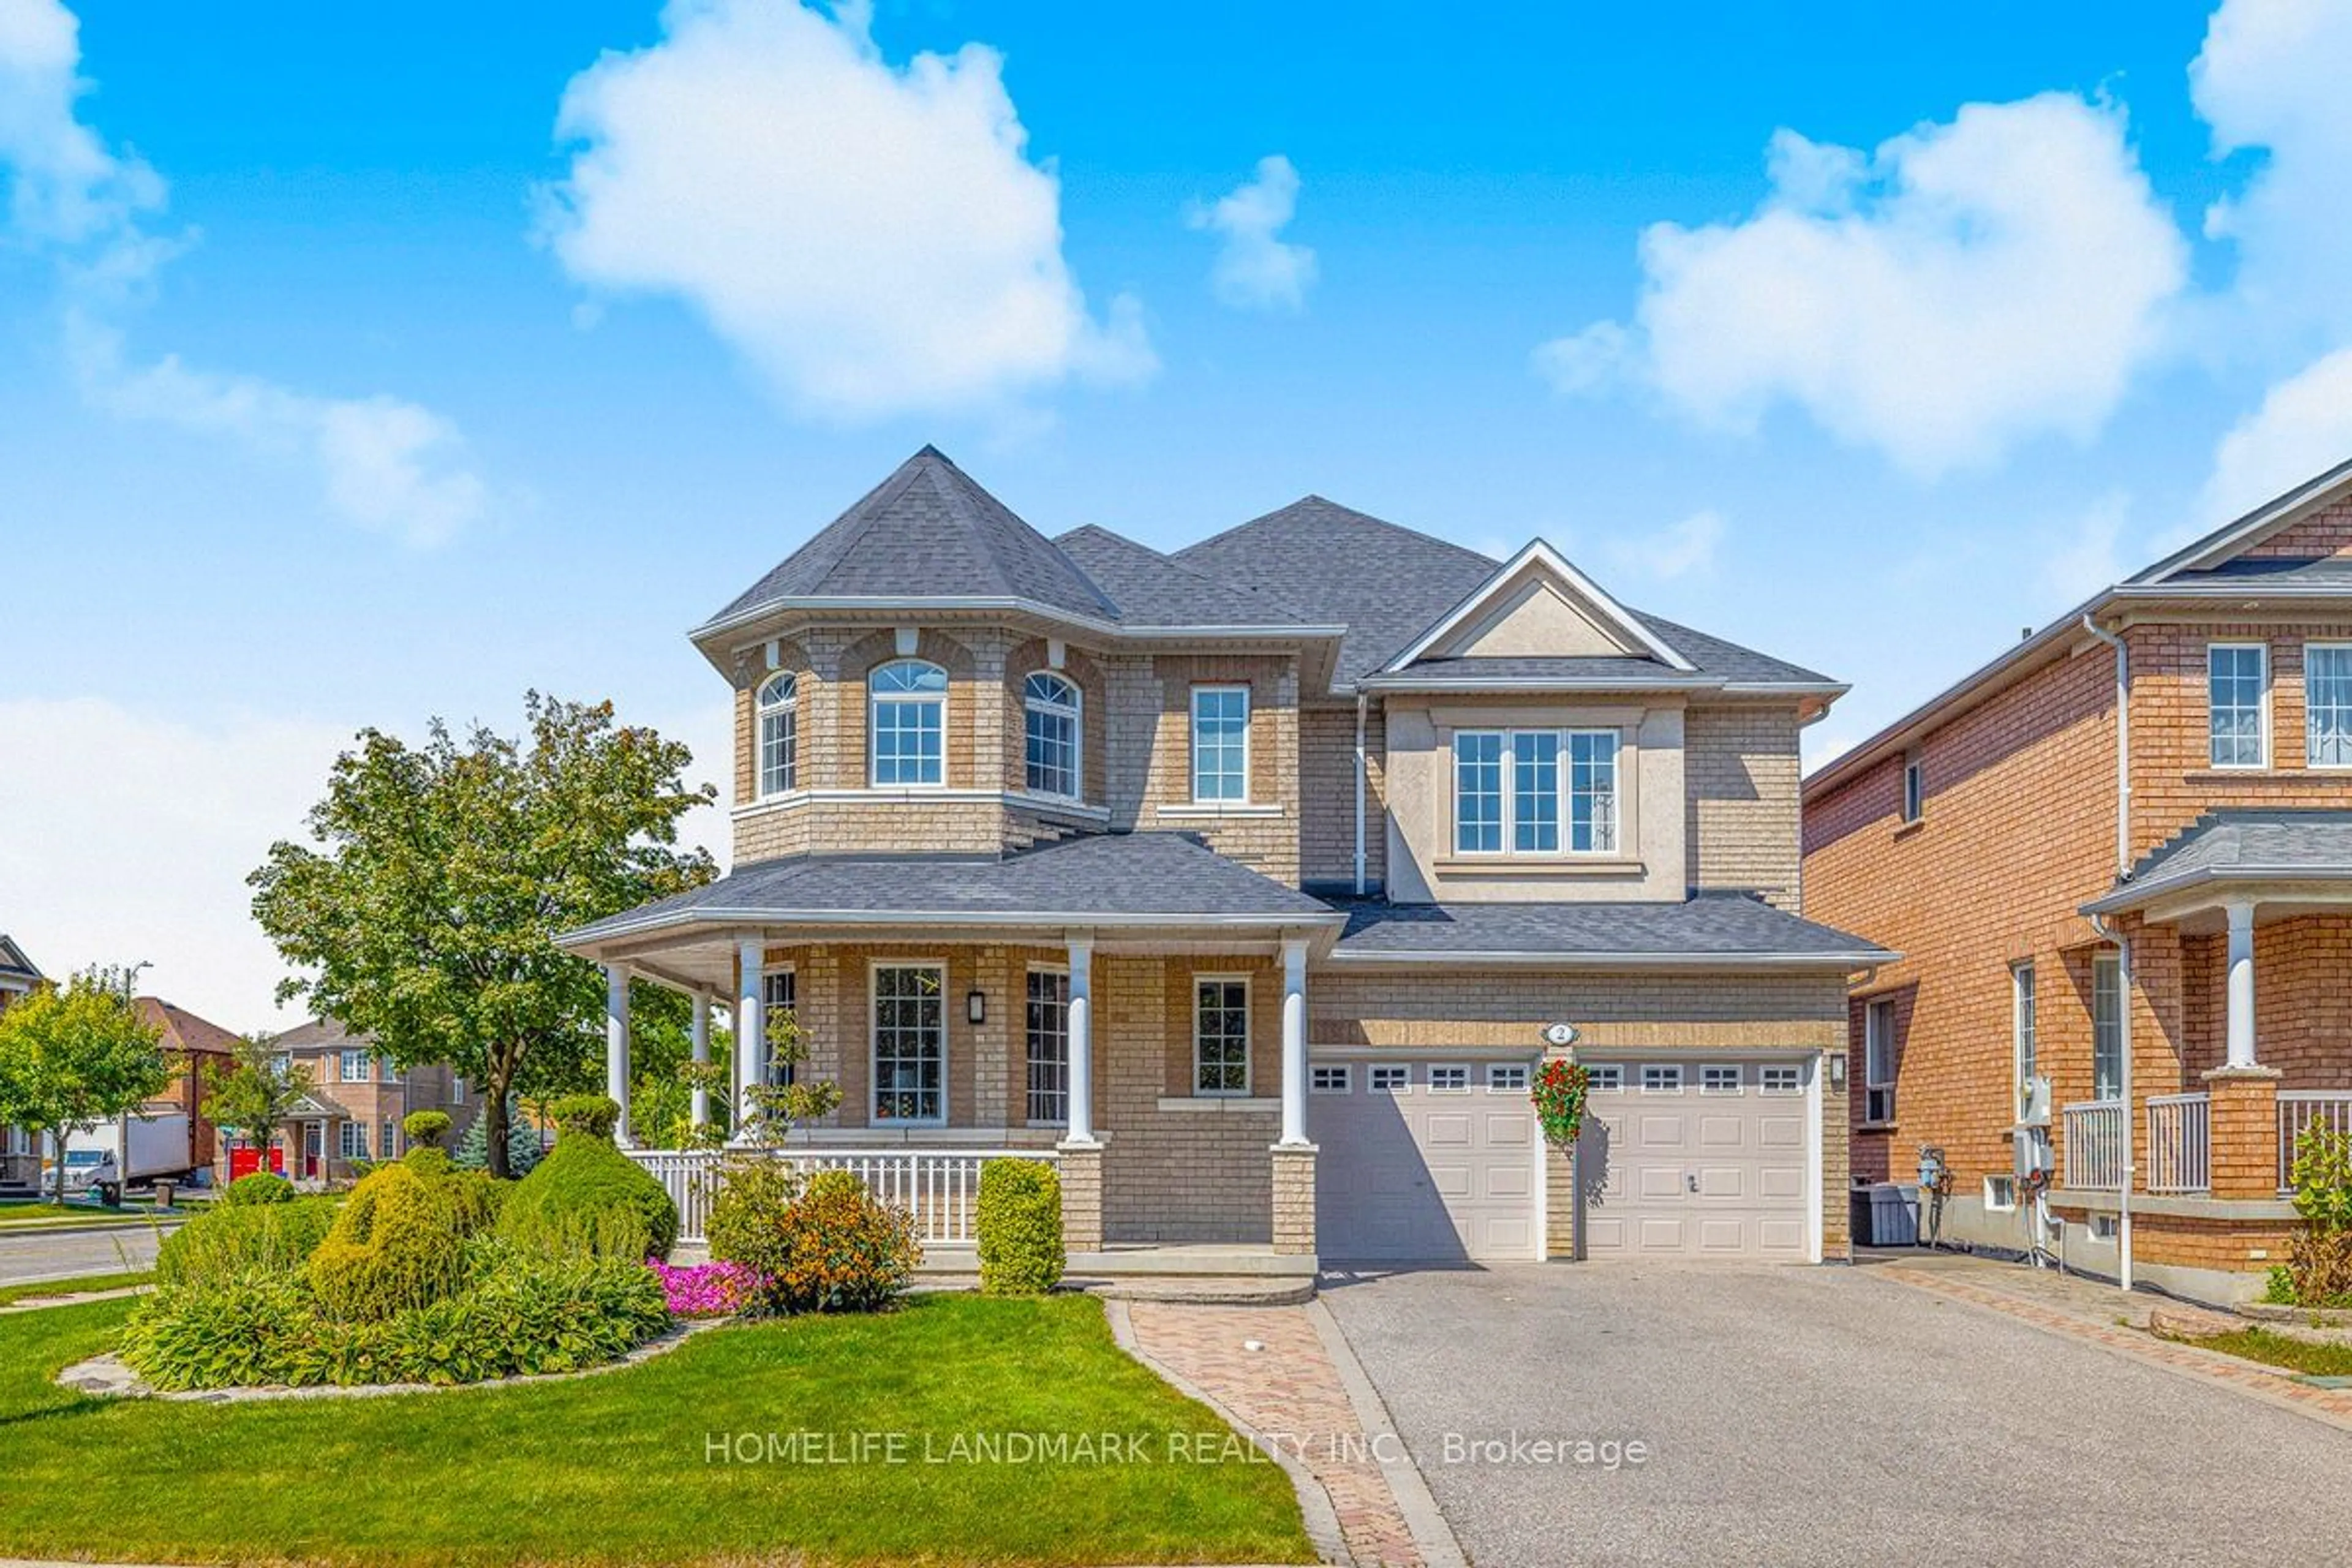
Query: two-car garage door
pixel 1424 1160
pixel 1693 1159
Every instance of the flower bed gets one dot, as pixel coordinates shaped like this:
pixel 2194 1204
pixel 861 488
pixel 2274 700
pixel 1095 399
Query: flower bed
pixel 705 1289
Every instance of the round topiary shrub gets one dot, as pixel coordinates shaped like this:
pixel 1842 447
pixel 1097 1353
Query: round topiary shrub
pixel 257 1188
pixel 1020 1224
pixel 398 1243
pixel 589 1115
pixel 425 1129
pixel 587 1199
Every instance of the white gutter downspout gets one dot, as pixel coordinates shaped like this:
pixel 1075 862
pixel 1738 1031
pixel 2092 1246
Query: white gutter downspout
pixel 2122 946
pixel 1360 703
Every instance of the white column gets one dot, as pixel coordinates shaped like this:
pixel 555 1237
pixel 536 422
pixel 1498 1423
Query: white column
pixel 616 1046
pixel 699 1113
pixel 1082 1039
pixel 2242 985
pixel 751 1030
pixel 1294 1041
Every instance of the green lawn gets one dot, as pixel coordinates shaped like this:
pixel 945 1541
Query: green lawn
pixel 11 1294
pixel 618 1468
pixel 2281 1350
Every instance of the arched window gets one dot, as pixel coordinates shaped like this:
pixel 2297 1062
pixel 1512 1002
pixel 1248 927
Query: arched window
pixel 1050 729
pixel 908 723
pixel 780 733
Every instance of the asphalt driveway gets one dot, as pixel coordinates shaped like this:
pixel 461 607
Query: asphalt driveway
pixel 1816 1415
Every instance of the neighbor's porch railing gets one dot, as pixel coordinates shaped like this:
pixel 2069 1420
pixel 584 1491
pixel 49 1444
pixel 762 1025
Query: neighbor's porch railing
pixel 2179 1143
pixel 2095 1145
pixel 939 1187
pixel 2300 1109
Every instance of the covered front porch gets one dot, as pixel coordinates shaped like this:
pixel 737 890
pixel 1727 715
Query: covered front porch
pixel 1132 1009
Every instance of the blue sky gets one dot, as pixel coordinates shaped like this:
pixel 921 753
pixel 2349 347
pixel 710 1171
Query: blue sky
pixel 339 387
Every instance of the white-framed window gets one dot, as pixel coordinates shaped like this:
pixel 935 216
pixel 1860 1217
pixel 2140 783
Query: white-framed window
pixel 908 719
pixel 1723 1080
pixel 1915 787
pixel 1220 742
pixel 1391 1078
pixel 354 1067
pixel 1607 1076
pixel 910 1043
pixel 2237 693
pixel 1506 1077
pixel 1050 710
pixel 779 993
pixel 1878 1060
pixel 456 1090
pixel 391 1144
pixel 1221 1035
pixel 1535 792
pixel 1780 1077
pixel 1046 1029
pixel 2000 1194
pixel 386 1070
pixel 1449 1080
pixel 1331 1078
pixel 2327 705
pixel 1661 1077
pixel 352 1139
pixel 778 701
pixel 282 1063
pixel 2102 1228
pixel 2106 1027
pixel 2022 1025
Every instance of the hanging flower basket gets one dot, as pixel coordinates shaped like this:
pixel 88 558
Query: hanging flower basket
pixel 1559 1094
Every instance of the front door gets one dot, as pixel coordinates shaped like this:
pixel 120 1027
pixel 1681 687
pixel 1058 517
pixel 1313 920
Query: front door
pixel 314 1148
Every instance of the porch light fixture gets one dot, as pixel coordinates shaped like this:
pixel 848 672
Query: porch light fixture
pixel 1837 1069
pixel 976 1006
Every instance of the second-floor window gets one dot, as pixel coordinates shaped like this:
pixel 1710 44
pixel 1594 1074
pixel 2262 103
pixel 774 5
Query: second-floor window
pixel 385 1071
pixel 910 723
pixel 1220 742
pixel 354 1067
pixel 1535 792
pixel 1049 707
pixel 780 733
pixel 2327 705
pixel 2237 676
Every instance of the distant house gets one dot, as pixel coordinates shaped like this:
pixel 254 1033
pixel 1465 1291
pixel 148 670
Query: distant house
pixel 356 1102
pixel 198 1049
pixel 20 1161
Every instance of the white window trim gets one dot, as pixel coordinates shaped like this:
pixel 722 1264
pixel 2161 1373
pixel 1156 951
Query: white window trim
pixel 767 971
pixel 1563 789
pixel 2261 762
pixel 1493 1070
pixel 1595 1071
pixel 1193 739
pixel 1914 808
pixel 1402 1072
pixel 1078 716
pixel 2108 963
pixel 1346 1075
pixel 875 699
pixel 2330 644
pixel 1871 1012
pixel 343 1073
pixel 874 968
pixel 763 706
pixel 2024 1020
pixel 1764 1085
pixel 1249 1034
pixel 1063 1121
pixel 1681 1077
pixel 1448 1068
pixel 1994 1182
pixel 1739 1084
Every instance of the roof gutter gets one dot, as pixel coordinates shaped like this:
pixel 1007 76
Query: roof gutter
pixel 2140 893
pixel 1831 962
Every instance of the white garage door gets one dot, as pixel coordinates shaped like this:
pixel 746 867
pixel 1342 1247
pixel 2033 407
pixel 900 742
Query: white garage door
pixel 1688 1158
pixel 1424 1160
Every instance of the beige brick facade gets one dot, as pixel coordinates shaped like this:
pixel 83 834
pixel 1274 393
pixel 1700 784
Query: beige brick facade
pixel 1743 823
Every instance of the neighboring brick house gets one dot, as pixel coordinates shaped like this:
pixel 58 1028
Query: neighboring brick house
pixel 356 1102
pixel 1250 882
pixel 2169 956
pixel 197 1049
pixel 20 1160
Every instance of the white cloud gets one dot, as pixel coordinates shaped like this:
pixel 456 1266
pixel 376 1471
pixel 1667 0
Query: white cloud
pixel 2302 428
pixel 2091 559
pixel 1962 288
pixel 382 463
pixel 1678 550
pixel 1254 269
pixel 873 237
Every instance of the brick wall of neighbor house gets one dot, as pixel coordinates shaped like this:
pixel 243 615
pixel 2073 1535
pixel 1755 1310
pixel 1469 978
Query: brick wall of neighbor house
pixel 2017 831
pixel 1743 818
pixel 1327 795
pixel 1477 1009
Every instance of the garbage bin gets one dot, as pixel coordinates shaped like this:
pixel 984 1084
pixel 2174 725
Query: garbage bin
pixel 163 1195
pixel 1858 1217
pixel 1894 1215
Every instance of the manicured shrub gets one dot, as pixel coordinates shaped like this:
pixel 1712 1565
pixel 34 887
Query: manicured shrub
pixel 1020 1224
pixel 398 1243
pixel 747 1215
pixel 239 1240
pixel 426 1128
pixel 833 1249
pixel 589 1115
pixel 584 1197
pixel 257 1188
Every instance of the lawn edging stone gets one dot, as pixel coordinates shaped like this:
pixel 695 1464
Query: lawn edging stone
pixel 109 1376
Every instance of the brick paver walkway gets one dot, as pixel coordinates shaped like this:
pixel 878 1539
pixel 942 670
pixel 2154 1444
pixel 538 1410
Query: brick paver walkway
pixel 1290 1393
pixel 2087 1312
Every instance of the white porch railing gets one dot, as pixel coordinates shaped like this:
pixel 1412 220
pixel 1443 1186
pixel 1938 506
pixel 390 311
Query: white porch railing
pixel 2179 1143
pixel 939 1187
pixel 2301 1109
pixel 2095 1145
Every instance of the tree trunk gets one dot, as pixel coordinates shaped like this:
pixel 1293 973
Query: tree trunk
pixel 494 1140
pixel 57 1142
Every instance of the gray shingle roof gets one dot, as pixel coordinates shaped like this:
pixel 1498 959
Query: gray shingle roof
pixel 13 961
pixel 1714 656
pixel 1112 879
pixel 927 531
pixel 1155 589
pixel 2271 571
pixel 1726 928
pixel 2251 843
pixel 1491 672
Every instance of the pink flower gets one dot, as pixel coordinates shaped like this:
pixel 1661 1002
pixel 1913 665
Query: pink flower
pixel 705 1289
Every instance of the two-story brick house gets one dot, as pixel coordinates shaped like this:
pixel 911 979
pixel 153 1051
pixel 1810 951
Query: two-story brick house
pixel 20 1160
pixel 356 1103
pixel 1250 882
pixel 2118 859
